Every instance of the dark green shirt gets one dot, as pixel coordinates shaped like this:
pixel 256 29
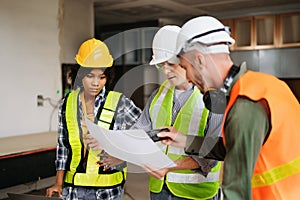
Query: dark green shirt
pixel 246 127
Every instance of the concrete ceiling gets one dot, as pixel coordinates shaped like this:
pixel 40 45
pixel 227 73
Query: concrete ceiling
pixel 109 12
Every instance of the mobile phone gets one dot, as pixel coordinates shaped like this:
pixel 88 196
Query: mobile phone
pixel 153 134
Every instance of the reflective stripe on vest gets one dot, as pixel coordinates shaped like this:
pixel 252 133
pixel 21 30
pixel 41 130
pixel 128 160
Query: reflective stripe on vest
pixel 192 178
pixel 73 129
pixel 191 119
pixel 279 173
pixel 155 109
pixel 91 177
pixel 277 170
pixel 108 111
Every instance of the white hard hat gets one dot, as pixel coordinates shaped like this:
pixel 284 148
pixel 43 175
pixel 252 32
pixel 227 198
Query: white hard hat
pixel 207 31
pixel 164 45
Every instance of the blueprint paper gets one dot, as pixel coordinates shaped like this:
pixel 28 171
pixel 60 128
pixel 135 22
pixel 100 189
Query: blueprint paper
pixel 133 146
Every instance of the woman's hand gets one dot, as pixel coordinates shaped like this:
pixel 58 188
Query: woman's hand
pixel 93 143
pixel 54 189
pixel 108 161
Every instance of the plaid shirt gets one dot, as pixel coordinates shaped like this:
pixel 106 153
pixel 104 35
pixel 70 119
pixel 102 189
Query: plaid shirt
pixel 127 114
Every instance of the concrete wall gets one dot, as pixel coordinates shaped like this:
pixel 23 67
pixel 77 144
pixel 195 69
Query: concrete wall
pixel 76 24
pixel 36 37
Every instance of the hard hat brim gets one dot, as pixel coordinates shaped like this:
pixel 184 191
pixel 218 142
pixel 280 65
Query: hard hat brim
pixel 172 60
pixel 155 61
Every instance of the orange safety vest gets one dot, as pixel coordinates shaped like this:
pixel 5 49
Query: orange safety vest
pixel 277 170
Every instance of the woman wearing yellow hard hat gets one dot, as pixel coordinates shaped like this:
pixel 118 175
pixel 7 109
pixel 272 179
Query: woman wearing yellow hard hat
pixel 81 172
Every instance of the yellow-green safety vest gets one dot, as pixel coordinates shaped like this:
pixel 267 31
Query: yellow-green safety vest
pixel 91 177
pixel 191 120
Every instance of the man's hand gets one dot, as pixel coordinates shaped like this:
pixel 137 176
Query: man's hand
pixel 156 173
pixel 93 143
pixel 181 164
pixel 177 139
pixel 108 161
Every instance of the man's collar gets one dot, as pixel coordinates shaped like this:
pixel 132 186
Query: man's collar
pixel 243 69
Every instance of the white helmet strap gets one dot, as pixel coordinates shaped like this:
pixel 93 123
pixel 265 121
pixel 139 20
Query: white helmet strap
pixel 226 29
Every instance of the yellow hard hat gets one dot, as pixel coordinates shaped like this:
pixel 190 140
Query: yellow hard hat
pixel 94 53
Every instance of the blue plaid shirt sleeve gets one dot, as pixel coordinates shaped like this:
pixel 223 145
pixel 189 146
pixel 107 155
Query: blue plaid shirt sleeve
pixel 61 150
pixel 127 114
